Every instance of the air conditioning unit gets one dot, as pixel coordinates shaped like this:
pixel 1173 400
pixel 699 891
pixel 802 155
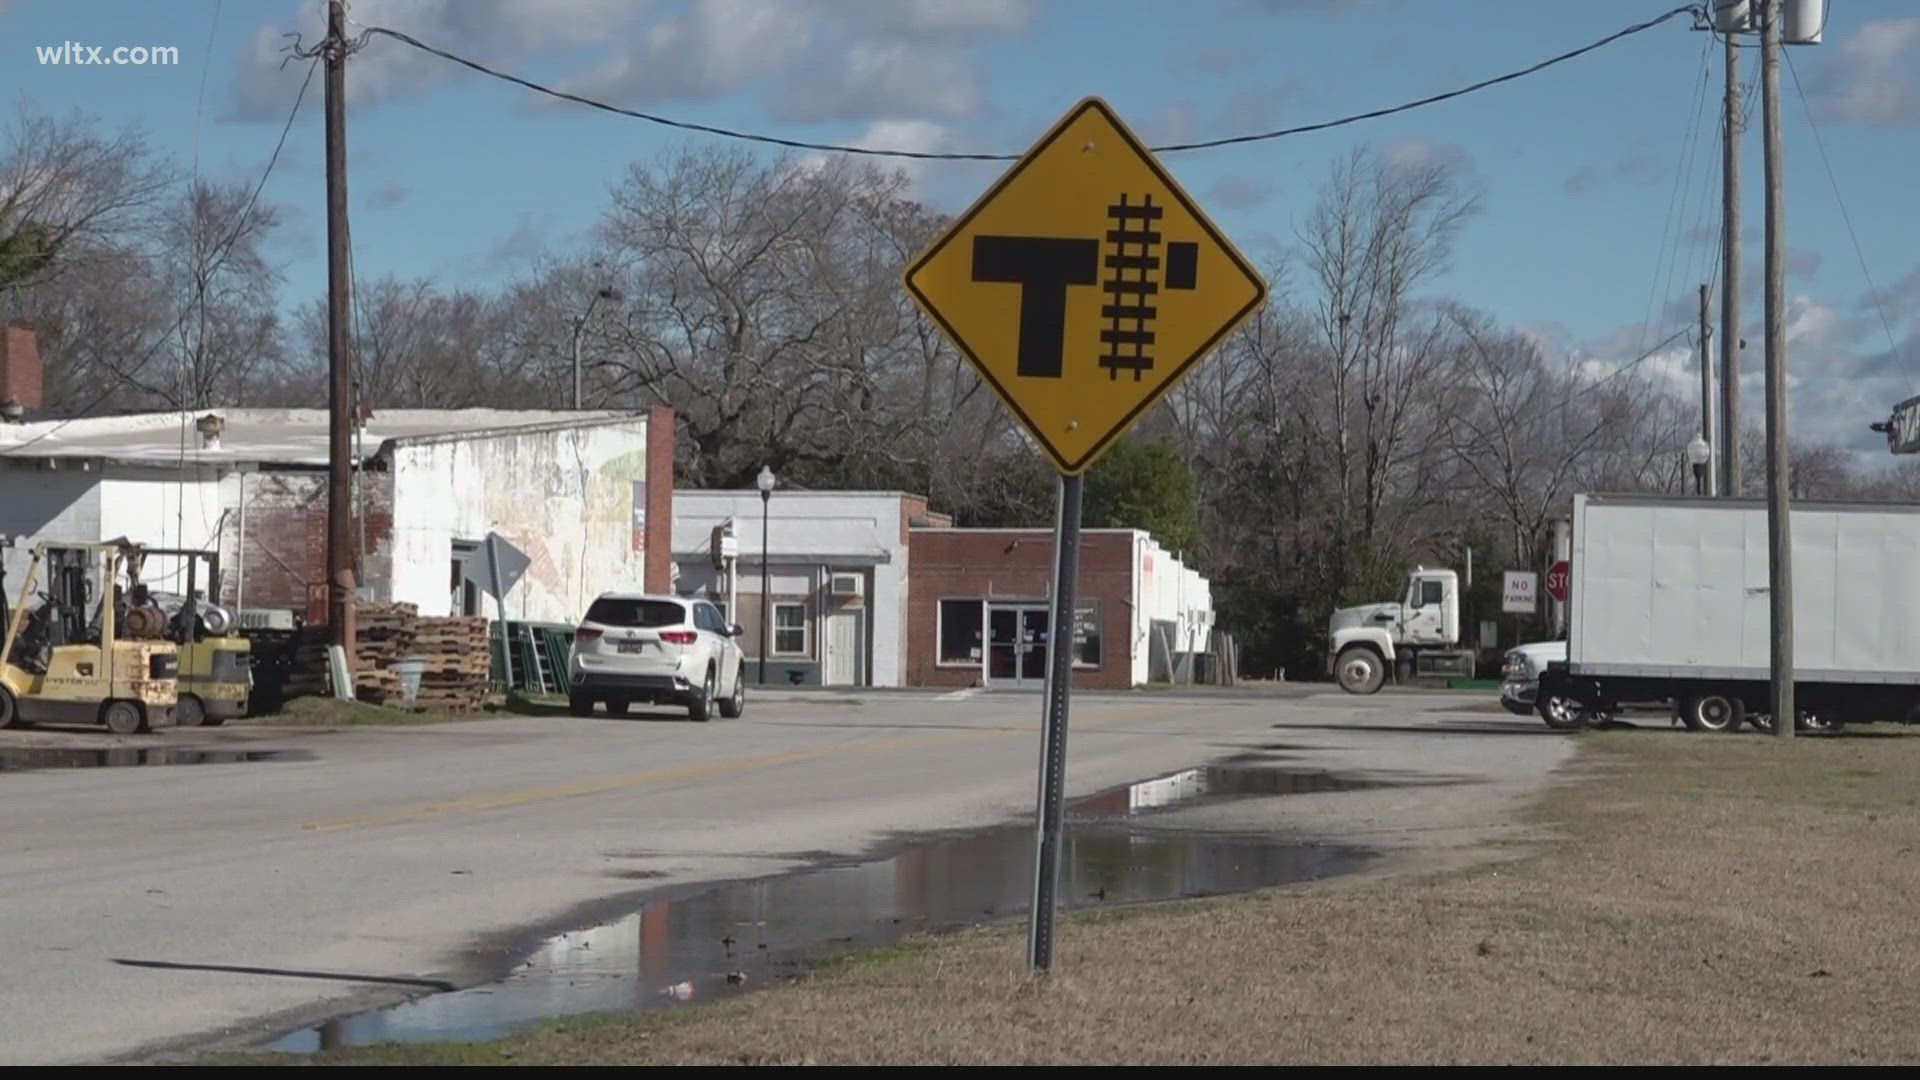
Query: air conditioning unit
pixel 845 585
pixel 264 619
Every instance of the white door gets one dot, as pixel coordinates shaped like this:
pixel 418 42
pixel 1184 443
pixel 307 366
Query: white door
pixel 845 651
pixel 1426 611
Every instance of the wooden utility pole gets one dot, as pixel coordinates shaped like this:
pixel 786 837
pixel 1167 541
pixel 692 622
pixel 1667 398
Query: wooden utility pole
pixel 340 562
pixel 1730 276
pixel 1779 530
pixel 1706 381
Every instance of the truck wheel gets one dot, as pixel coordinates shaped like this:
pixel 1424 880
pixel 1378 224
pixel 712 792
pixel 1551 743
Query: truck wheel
pixel 124 717
pixel 1563 713
pixel 1714 711
pixel 1360 670
pixel 9 709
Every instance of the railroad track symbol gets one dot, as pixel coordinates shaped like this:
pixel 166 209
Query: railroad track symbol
pixel 1131 287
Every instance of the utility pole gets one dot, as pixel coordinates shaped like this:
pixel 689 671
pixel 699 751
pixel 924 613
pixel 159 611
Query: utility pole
pixel 1730 275
pixel 1706 379
pixel 340 569
pixel 1779 530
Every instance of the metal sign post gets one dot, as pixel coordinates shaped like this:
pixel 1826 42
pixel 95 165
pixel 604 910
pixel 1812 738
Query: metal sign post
pixel 1053 744
pixel 1082 287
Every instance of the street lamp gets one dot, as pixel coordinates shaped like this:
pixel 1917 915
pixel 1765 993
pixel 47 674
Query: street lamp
pixel 1698 454
pixel 765 483
pixel 605 292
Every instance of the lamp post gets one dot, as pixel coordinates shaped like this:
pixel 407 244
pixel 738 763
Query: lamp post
pixel 765 483
pixel 605 292
pixel 1698 454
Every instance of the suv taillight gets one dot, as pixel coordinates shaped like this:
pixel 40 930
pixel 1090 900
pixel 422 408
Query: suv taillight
pixel 585 633
pixel 678 637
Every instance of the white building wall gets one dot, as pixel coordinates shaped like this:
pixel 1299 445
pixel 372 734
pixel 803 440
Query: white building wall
pixel 861 527
pixel 1168 591
pixel 165 509
pixel 564 497
pixel 45 504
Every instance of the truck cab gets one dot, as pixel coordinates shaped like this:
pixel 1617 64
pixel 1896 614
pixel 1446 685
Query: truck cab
pixel 1417 634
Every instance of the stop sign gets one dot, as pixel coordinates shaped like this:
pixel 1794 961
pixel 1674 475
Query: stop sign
pixel 1559 578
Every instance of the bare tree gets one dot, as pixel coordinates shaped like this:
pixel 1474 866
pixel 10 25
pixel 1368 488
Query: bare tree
pixel 416 346
pixel 70 195
pixel 1379 232
pixel 1518 432
pixel 211 254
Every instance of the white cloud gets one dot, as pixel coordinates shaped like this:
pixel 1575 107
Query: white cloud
pixel 1842 373
pixel 828 59
pixel 939 18
pixel 489 31
pixel 714 48
pixel 884 79
pixel 1426 153
pixel 911 136
pixel 1872 78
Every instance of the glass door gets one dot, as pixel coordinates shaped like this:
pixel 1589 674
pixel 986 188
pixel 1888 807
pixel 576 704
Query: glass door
pixel 1017 645
pixel 1033 634
pixel 1003 645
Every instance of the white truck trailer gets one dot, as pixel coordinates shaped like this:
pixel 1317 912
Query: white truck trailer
pixel 1669 600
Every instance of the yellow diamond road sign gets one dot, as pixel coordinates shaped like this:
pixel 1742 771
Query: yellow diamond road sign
pixel 1084 284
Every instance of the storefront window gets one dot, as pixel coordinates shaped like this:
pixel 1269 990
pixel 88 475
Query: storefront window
pixel 1086 634
pixel 960 631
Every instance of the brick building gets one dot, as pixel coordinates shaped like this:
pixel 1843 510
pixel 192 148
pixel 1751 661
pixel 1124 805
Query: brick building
pixel 978 612
pixel 587 496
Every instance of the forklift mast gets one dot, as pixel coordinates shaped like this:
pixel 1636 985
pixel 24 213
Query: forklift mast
pixel 70 590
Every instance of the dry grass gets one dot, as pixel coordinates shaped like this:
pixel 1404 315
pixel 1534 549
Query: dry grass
pixel 328 712
pixel 1718 900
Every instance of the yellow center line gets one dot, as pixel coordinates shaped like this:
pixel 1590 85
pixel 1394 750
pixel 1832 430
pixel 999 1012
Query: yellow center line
pixel 691 771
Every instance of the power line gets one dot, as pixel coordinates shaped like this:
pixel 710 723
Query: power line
pixel 1893 346
pixel 1588 387
pixel 1689 143
pixel 233 237
pixel 800 144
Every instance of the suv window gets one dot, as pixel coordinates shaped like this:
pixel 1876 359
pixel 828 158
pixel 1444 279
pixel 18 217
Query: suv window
pixel 706 618
pixel 636 613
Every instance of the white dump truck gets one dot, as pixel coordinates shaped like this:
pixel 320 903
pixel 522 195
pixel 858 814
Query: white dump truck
pixel 1418 634
pixel 1669 599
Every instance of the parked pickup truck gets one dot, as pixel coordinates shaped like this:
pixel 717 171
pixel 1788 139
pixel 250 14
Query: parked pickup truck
pixel 1520 674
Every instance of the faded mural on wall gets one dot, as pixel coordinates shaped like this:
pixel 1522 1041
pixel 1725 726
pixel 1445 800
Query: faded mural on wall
pixel 567 498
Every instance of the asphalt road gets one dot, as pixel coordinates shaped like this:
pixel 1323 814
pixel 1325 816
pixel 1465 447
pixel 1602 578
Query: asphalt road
pixel 150 909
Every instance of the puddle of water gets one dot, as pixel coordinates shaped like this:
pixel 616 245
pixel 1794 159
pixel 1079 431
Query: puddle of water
pixel 1239 779
pixel 37 758
pixel 739 937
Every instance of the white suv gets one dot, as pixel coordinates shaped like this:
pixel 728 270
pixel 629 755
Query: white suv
pixel 661 649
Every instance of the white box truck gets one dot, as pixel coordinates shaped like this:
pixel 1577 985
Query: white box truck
pixel 1669 600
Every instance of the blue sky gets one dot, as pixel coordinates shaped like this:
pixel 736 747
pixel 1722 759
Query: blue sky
pixel 1596 206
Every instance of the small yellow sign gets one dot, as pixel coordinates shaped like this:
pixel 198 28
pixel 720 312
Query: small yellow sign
pixel 1084 285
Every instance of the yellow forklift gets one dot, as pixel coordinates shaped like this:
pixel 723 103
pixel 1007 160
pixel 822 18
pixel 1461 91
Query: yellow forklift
pixel 216 670
pixel 60 664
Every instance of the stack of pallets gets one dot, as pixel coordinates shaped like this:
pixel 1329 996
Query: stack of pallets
pixel 307 674
pixel 383 633
pixel 459 657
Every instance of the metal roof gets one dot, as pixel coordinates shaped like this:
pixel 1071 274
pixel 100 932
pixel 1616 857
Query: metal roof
pixel 290 437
